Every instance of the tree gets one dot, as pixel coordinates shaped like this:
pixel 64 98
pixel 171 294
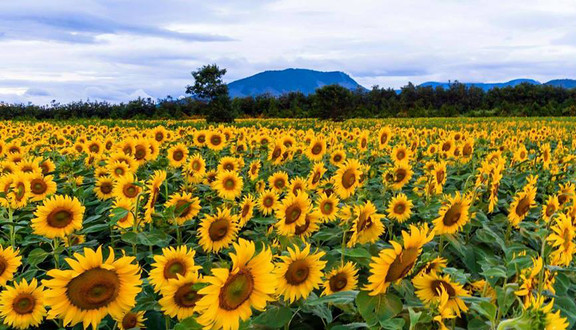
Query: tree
pixel 210 87
pixel 332 102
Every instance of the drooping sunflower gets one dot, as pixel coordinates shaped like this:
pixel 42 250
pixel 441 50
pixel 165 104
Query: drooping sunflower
pixel 521 205
pixel 435 265
pixel 41 186
pixel 278 181
pixel 453 215
pixel 429 287
pixel 246 209
pixel 297 185
pixel 393 264
pixel 562 239
pixel 347 178
pixel 254 169
pixel 291 212
pixel 153 188
pixel 131 320
pixel 367 225
pixel 328 206
pixel 92 288
pixel 400 208
pixel 185 207
pixel 172 262
pixel 343 278
pixel 9 263
pixel 316 174
pixel 58 216
pixel 299 273
pixel 22 305
pixel 231 294
pixel 310 226
pixel 177 155
pixel 543 316
pixel 267 202
pixel 179 296
pixel 218 231
pixel 550 208
pixel 228 185
pixel 19 191
pixel 104 187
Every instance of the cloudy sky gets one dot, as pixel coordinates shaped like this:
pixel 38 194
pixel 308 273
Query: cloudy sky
pixel 117 50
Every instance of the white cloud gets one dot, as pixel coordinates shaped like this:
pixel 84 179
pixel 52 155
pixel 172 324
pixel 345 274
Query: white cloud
pixel 118 49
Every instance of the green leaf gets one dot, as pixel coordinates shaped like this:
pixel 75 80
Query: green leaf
pixel 343 297
pixel 188 324
pixel 378 309
pixel 130 237
pixel 117 214
pixel 486 309
pixel 36 256
pixel 274 317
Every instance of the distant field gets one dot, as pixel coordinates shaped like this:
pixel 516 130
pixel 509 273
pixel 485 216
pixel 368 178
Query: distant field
pixel 296 224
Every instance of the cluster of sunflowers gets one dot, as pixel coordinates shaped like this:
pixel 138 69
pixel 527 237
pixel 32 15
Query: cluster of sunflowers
pixel 398 224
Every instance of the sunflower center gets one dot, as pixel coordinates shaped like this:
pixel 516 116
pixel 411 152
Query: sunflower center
pixel 436 285
pixel 467 150
pixel 186 296
pixel 337 158
pixel 159 137
pixel 245 210
pixel 178 155
pixel 446 146
pixel 338 282
pixel 130 190
pixel 228 166
pixel 364 222
pixel 268 202
pixel 93 289
pixel 400 155
pixel 277 152
pixel 348 178
pixel 402 265
pixel 327 207
pixel 236 291
pixel 399 208
pixel 38 186
pixel 218 229
pixel 440 176
pixel 453 215
pixel 400 174
pixel 550 209
pixel 229 184
pixel 297 272
pixel 24 303
pixel 523 206
pixel 182 208
pixel 279 183
pixel 130 320
pixel 119 171
pixel 140 152
pixel 106 187
pixel 316 149
pixel 562 198
pixel 173 268
pixel 216 140
pixel 59 218
pixel 195 165
pixel 3 265
pixel 299 230
pixel 20 191
pixel 293 213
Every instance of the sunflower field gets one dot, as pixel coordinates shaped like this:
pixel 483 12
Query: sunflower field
pixel 291 224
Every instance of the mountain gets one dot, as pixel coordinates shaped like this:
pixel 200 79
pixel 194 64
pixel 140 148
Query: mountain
pixel 566 83
pixel 289 80
pixel 484 86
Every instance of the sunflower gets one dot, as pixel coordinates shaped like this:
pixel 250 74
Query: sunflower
pixel 131 320
pixel 400 208
pixel 267 201
pixel 126 188
pixel 347 178
pixel 521 205
pixel 172 262
pixel 153 187
pixel 275 152
pixel 566 194
pixel 218 231
pixel 278 181
pixel 103 188
pixel 399 175
pixel 343 278
pixel 550 208
pixel 22 306
pixel 393 264
pixel 93 288
pixel 316 174
pixel 299 273
pixel 453 215
pixel 291 212
pixel 384 136
pixel 562 239
pixel 128 220
pixel 429 288
pixel 328 206
pixel 185 207
pixel 436 265
pixel 228 185
pixel 231 294
pixel 401 154
pixel 9 263
pixel 316 149
pixel 41 186
pixel 180 296
pixel 58 216
pixel 311 225
pixel 177 155
pixel 337 157
pixel 543 317
pixel 367 225
pixel 216 141
pixel 297 185
pixel 118 169
pixel 439 175
pixel 196 168
pixel 19 191
pixel 254 169
pixel 246 209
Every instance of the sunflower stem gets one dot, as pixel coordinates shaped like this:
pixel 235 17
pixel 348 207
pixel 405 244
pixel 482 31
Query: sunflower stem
pixel 441 245
pixel 55 252
pixel 12 230
pixel 178 236
pixel 167 322
pixel 343 246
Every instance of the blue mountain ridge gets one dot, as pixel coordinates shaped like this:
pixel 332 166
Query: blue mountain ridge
pixel 280 82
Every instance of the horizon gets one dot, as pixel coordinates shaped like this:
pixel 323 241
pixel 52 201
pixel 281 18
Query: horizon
pixel 102 50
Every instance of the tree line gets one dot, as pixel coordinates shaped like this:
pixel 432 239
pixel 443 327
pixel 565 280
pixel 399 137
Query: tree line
pixel 209 99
